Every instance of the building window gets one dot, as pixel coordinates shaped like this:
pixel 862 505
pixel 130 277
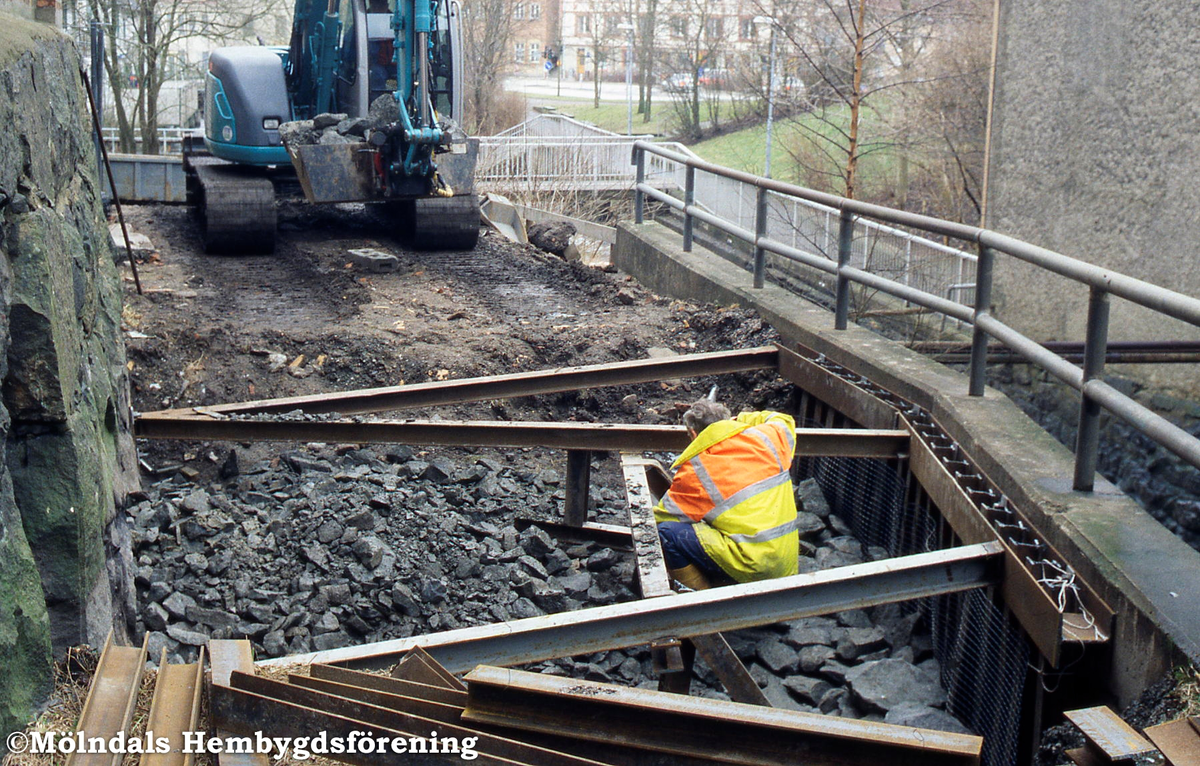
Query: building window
pixel 519 53
pixel 679 26
pixel 519 11
pixel 583 24
pixel 715 27
pixel 747 27
pixel 535 11
pixel 535 52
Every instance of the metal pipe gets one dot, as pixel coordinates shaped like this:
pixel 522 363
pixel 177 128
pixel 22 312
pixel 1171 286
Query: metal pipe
pixel 729 608
pixel 689 199
pixel 841 315
pixel 760 232
pixel 1142 293
pixel 639 198
pixel 983 305
pixel 1087 441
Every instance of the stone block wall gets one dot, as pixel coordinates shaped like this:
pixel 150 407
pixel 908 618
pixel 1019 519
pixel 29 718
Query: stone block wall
pixel 67 454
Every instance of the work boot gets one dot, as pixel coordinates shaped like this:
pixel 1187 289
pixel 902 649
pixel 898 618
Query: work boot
pixel 690 577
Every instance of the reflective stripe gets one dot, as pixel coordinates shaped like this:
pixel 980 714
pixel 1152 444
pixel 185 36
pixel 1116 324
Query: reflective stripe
pixel 671 508
pixel 765 439
pixel 768 534
pixel 744 494
pixel 706 480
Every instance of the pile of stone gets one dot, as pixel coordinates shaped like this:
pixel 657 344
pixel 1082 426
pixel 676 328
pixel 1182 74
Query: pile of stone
pixel 328 129
pixel 323 548
pixel 327 547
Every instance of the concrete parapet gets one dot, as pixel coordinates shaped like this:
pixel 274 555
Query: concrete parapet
pixel 1150 577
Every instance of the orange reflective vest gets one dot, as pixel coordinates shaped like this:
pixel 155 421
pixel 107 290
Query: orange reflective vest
pixel 734 483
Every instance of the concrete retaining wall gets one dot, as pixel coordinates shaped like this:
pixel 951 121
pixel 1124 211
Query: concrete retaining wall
pixel 1093 148
pixel 1149 576
pixel 67 451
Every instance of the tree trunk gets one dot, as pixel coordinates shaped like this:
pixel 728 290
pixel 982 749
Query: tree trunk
pixel 596 77
pixel 150 86
pixel 860 24
pixel 116 81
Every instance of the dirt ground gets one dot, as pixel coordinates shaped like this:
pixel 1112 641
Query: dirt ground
pixel 216 329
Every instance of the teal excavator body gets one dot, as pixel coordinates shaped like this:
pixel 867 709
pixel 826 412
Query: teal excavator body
pixel 396 62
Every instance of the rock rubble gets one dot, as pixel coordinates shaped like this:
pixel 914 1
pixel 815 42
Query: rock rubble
pixel 325 547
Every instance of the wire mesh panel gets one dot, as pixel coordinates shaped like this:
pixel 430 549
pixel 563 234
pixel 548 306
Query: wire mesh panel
pixel 982 654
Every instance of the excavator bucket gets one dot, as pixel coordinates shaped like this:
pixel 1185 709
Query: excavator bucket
pixel 337 173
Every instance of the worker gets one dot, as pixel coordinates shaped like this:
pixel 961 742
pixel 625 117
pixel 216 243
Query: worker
pixel 730 513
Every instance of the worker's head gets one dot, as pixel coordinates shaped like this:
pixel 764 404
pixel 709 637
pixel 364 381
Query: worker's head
pixel 703 414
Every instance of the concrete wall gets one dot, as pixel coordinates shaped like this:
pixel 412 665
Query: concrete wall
pixel 68 459
pixel 1147 575
pixel 1094 147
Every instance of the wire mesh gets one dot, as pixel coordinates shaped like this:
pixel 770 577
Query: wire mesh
pixel 982 654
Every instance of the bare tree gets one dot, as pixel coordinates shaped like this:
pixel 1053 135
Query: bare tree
pixel 700 27
pixel 144 35
pixel 853 51
pixel 487 44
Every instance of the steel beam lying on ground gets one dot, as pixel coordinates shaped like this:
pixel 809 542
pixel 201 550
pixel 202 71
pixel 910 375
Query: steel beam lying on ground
pixel 505 386
pixel 643 480
pixel 174 709
pixel 110 700
pixel 687 614
pixel 254 704
pixel 829 442
pixel 723 731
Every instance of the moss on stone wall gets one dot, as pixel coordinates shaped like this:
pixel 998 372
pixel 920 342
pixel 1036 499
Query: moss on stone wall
pixel 67 451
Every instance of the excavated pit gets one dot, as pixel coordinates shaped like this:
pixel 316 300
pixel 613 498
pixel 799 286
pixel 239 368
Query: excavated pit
pixel 305 547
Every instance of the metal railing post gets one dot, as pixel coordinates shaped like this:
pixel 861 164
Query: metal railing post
pixel 689 199
pixel 983 305
pixel 841 314
pixel 639 199
pixel 1087 443
pixel 760 231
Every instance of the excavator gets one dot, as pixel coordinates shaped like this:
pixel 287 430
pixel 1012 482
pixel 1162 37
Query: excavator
pixel 397 63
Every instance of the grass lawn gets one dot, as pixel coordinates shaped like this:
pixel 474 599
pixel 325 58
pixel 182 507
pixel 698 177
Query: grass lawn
pixel 613 115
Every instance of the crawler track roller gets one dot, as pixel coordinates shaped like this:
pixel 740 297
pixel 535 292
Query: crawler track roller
pixel 445 223
pixel 237 210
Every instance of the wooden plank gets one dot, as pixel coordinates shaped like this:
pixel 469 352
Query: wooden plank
pixel 651 568
pixel 1108 733
pixel 174 709
pixel 1178 741
pixel 110 700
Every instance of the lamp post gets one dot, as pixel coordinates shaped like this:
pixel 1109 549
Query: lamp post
pixel 770 90
pixel 627 27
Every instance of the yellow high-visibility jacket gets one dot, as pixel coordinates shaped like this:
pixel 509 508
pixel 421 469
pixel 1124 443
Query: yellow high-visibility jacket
pixel 734 483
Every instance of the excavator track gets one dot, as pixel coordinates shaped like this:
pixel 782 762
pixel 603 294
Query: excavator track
pixel 445 223
pixel 236 205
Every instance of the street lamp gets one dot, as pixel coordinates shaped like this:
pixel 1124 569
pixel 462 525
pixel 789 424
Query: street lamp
pixel 770 90
pixel 627 27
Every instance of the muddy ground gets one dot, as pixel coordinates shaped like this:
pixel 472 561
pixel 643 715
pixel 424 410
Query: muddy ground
pixel 211 329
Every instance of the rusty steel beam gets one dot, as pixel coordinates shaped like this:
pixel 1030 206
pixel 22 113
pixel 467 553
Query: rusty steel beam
pixel 568 436
pixel 369 400
pixel 293 711
pixel 727 732
pixel 578 487
pixel 686 614
pixel 174 709
pixel 423 700
pixel 225 656
pixel 645 479
pixel 608 535
pixel 110 700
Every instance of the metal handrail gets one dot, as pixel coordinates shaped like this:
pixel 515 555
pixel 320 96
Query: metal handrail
pixel 1096 394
